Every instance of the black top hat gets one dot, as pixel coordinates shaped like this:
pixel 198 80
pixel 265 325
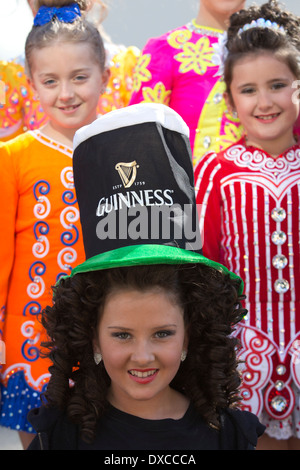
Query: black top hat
pixel 134 182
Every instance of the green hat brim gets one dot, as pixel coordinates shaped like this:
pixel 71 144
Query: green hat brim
pixel 148 254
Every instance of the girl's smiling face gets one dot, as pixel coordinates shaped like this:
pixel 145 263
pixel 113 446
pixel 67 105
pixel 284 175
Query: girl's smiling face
pixel 68 81
pixel 141 335
pixel 263 94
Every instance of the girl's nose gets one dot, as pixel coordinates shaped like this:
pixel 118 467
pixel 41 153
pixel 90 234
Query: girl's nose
pixel 142 353
pixel 66 92
pixel 265 100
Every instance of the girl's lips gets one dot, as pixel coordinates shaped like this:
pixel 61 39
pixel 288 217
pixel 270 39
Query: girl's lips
pixel 267 118
pixel 69 109
pixel 143 376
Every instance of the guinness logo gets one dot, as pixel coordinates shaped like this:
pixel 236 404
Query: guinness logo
pixel 127 173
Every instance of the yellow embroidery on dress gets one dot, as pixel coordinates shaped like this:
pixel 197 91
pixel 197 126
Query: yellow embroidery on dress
pixel 196 57
pixel 119 88
pixel 142 74
pixel 158 94
pixel 214 115
pixel 233 131
pixel 178 38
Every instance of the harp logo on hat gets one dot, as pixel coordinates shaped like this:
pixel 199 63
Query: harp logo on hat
pixel 127 172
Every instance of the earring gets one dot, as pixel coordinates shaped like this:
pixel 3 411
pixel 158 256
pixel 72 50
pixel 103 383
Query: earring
pixel 234 114
pixel 97 358
pixel 183 356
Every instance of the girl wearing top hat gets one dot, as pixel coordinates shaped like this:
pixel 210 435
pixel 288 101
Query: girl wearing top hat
pixel 140 334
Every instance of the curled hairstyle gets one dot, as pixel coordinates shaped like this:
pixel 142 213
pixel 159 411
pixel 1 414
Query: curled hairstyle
pixel 80 31
pixel 211 307
pixel 285 46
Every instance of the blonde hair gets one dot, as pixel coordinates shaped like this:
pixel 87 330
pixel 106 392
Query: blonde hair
pixel 80 31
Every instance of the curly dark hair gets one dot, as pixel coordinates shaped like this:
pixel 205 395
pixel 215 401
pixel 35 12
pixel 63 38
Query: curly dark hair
pixel 211 305
pixel 285 46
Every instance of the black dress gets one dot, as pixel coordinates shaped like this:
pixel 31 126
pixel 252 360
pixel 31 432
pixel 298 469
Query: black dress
pixel 121 431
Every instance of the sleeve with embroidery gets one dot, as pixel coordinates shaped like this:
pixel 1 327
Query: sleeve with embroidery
pixel 153 77
pixel 20 109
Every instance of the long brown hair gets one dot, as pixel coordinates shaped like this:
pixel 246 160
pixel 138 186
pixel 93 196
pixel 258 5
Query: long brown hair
pixel 211 306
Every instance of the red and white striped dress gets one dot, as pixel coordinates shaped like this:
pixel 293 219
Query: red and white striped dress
pixel 250 221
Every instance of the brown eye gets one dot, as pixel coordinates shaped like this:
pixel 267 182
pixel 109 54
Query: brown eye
pixel 164 333
pixel 248 91
pixel 121 335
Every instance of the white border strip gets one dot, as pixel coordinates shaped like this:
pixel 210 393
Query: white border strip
pixel 132 115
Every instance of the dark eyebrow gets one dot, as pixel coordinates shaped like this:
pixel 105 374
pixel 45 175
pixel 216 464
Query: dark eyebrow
pixel 274 80
pixel 245 85
pixel 119 328
pixel 123 328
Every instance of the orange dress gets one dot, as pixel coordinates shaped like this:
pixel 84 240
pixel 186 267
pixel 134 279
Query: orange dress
pixel 40 240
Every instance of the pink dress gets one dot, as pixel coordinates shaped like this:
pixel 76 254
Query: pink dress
pixel 250 221
pixel 178 69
